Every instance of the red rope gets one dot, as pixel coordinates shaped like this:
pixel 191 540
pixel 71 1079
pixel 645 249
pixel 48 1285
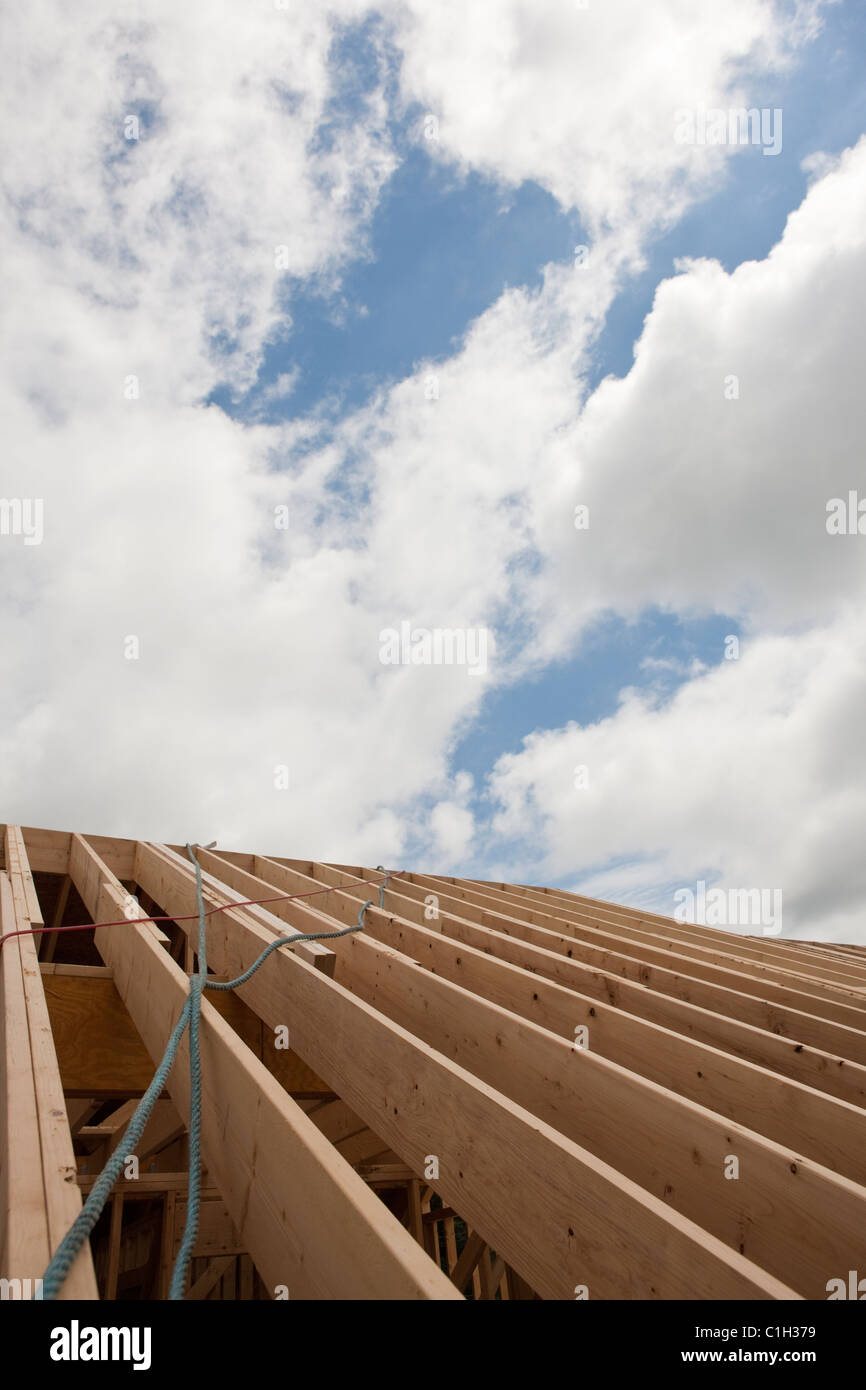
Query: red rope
pixel 189 917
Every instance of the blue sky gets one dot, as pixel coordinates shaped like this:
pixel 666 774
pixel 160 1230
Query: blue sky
pixel 442 248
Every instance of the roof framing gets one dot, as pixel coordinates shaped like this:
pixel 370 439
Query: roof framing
pixel 443 1039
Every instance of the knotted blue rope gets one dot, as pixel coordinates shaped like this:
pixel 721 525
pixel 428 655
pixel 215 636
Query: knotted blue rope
pixel 64 1256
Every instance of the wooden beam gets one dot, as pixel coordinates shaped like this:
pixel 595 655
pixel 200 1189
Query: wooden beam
pixel 24 1241
pixel 307 1219
pixel 337 1121
pixel 42 1090
pixel 439 1214
pixel 450 1243
pixel 116 1122
pixel 210 1278
pixel 831 1132
pixel 79 1113
pixel 88 972
pixel 421 1103
pixel 215 892
pixel 385 1174
pixel 469 1256
pixel 756 981
pixel 773 961
pixel 146 1185
pixel 48 851
pixel 781 950
pixel 663 997
pixel 491 1271
pixel 415 1221
pixel 365 1147
pixel 163 1127
pixel 663 1141
pixel 114 1235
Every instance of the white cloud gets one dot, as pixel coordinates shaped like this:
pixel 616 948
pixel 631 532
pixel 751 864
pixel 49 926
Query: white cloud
pixel 754 771
pixel 162 254
pixel 702 500
pixel 453 827
pixel 583 98
pixel 752 776
pixel 281 388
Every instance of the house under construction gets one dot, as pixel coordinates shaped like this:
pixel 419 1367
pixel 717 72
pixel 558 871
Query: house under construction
pixel 491 1091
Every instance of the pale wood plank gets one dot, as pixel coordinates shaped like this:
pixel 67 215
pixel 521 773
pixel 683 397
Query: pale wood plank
pixel 61 1197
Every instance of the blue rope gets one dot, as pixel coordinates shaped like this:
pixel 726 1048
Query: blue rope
pixel 290 940
pixel 177 1288
pixel 64 1256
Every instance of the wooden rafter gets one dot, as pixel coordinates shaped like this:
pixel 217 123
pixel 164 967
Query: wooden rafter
pixel 332 1210
pixel 545 1092
pixel 37 1164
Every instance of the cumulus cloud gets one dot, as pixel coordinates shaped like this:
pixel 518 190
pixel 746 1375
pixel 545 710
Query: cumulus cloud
pixel 705 501
pixel 583 97
pixel 751 776
pixel 708 470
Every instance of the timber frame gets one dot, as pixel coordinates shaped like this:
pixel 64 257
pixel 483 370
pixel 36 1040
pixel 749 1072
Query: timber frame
pixel 493 1091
